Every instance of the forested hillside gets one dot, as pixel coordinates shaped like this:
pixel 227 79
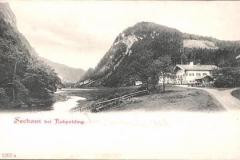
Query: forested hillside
pixel 66 73
pixel 222 53
pixel 136 49
pixel 25 80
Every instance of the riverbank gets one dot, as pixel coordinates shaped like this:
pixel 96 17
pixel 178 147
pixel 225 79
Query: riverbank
pixel 94 95
pixel 175 98
pixel 34 104
pixel 98 94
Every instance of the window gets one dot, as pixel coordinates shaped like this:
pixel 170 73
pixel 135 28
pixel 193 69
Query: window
pixel 198 74
pixel 204 74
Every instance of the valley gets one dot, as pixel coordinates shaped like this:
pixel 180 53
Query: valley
pixel 119 80
pixel 145 52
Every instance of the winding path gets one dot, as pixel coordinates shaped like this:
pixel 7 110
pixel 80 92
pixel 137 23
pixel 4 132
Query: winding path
pixel 229 102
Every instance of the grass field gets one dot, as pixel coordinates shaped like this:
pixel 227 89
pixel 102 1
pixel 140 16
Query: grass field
pixel 175 98
pixel 236 93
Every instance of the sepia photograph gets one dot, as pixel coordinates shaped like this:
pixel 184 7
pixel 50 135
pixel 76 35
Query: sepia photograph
pixel 119 79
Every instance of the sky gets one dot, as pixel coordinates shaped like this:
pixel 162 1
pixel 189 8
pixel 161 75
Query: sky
pixel 79 33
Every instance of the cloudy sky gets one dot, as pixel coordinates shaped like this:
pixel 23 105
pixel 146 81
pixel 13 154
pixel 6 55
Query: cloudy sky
pixel 78 33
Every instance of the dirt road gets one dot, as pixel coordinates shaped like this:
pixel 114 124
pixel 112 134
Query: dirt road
pixel 229 102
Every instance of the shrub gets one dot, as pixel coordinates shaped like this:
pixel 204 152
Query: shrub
pixel 3 96
pixel 227 77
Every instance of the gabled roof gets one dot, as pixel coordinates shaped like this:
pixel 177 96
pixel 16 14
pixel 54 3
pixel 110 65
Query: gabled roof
pixel 197 67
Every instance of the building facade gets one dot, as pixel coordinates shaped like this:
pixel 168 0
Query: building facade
pixel 168 79
pixel 189 74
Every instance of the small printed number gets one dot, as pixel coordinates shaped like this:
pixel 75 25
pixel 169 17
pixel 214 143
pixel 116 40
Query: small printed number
pixel 8 155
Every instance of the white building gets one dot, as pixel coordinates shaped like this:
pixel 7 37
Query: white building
pixel 138 83
pixel 168 79
pixel 188 74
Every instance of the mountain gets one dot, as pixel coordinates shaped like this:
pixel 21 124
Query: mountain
pixel 66 73
pixel 115 68
pixel 7 15
pixel 119 67
pixel 25 80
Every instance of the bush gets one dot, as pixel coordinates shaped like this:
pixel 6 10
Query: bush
pixel 22 93
pixel 227 77
pixel 3 96
pixel 224 82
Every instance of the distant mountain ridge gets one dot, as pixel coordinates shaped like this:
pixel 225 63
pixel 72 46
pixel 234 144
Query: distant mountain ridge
pixel 114 69
pixel 66 73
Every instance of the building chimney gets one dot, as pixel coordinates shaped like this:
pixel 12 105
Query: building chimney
pixel 191 63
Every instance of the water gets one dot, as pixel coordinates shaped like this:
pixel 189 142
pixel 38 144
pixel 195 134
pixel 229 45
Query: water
pixel 132 134
pixel 66 106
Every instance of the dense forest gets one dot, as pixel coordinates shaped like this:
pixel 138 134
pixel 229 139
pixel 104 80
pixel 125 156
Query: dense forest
pixel 25 81
pixel 225 56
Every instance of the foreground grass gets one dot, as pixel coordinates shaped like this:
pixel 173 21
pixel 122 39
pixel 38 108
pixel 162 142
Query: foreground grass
pixel 175 98
pixel 236 93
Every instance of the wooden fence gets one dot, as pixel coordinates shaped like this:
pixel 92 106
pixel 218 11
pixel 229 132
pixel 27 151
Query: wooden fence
pixel 96 107
pixel 111 102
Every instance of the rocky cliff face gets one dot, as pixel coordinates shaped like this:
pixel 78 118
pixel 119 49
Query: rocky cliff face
pixel 7 15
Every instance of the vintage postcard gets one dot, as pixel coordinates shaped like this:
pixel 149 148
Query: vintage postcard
pixel 119 79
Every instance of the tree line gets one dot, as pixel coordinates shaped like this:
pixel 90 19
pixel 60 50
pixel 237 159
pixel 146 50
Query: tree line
pixel 24 79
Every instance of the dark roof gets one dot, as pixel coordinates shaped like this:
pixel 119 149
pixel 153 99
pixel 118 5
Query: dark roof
pixel 197 67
